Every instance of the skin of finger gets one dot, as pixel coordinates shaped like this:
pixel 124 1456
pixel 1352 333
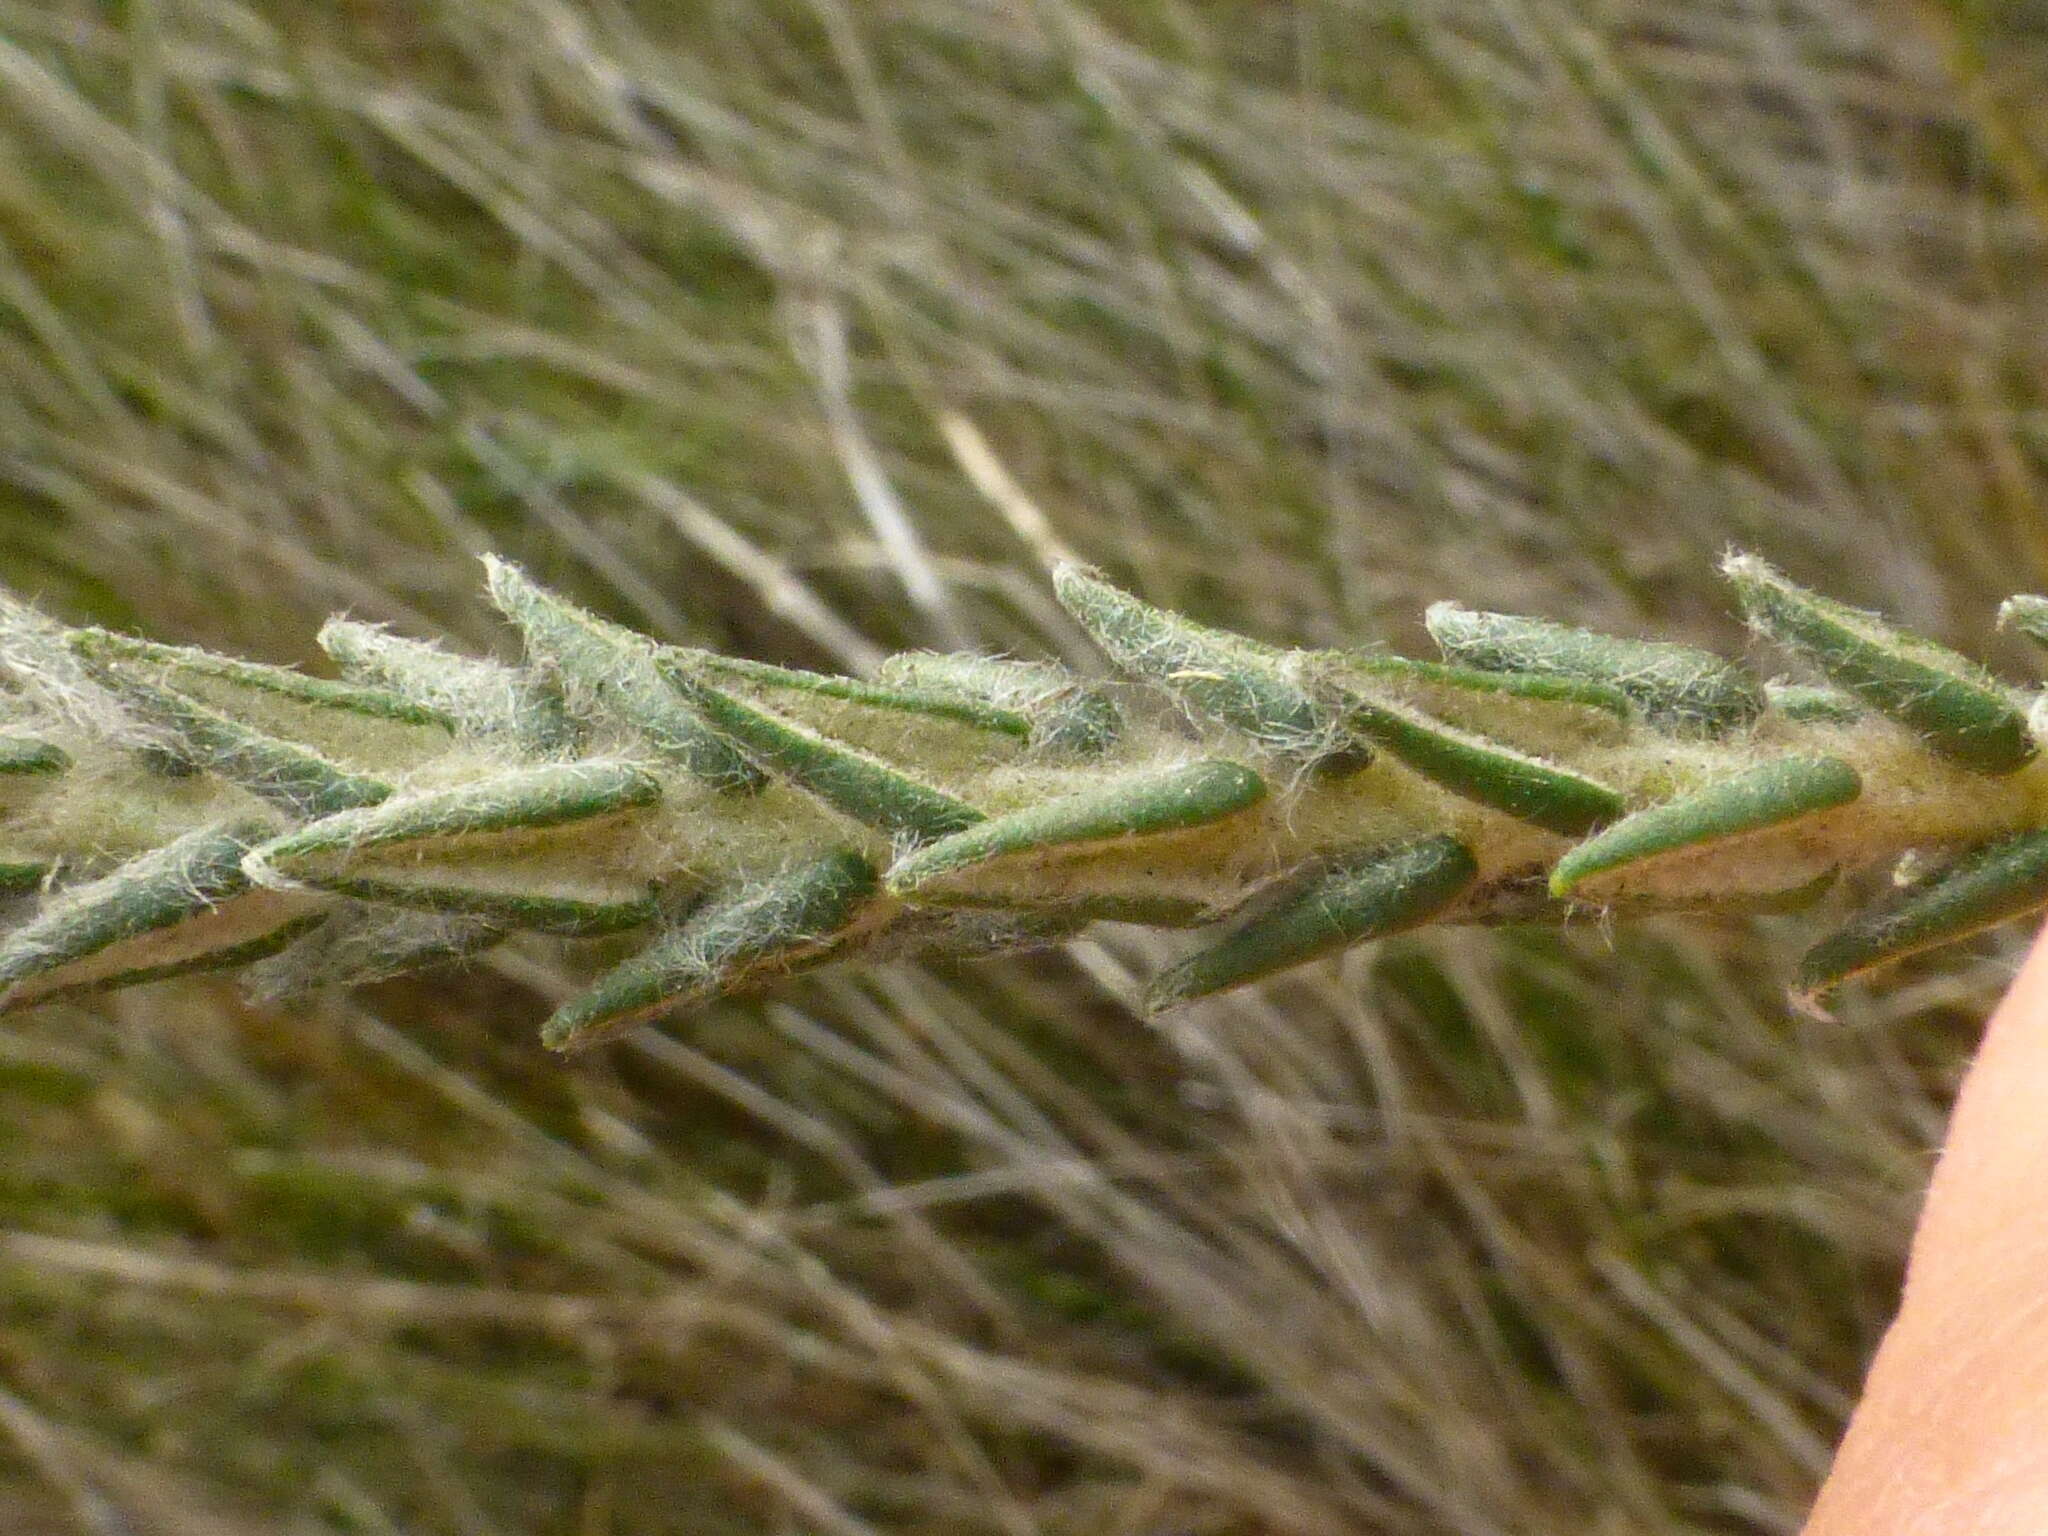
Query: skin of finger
pixel 1951 1438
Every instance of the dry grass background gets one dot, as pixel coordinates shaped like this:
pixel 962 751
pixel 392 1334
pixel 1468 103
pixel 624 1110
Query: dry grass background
pixel 805 328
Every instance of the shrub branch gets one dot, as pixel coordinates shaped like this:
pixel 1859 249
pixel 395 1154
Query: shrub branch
pixel 165 810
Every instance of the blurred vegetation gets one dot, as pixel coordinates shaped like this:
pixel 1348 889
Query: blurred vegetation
pixel 805 328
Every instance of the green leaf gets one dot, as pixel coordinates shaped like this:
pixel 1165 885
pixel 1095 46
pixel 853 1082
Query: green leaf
pixel 772 928
pixel 351 724
pixel 183 907
pixel 293 778
pixel 526 847
pixel 1479 687
pixel 1983 888
pixel 611 677
pixel 1366 897
pixel 1488 773
pixel 516 802
pixel 926 732
pixel 1138 806
pixel 483 697
pixel 1222 677
pixel 870 791
pixel 255 912
pixel 1068 715
pixel 1673 685
pixel 1765 796
pixel 1958 709
pixel 788 690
